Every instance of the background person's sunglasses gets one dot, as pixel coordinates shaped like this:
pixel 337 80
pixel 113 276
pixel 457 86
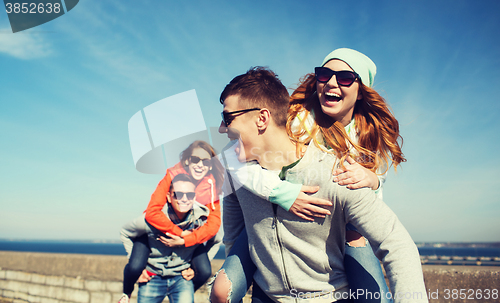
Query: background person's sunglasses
pixel 344 77
pixel 179 195
pixel 196 160
pixel 228 117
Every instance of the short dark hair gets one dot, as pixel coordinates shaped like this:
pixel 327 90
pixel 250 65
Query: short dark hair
pixel 181 177
pixel 260 87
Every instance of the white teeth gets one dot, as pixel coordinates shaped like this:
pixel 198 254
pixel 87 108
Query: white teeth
pixel 333 95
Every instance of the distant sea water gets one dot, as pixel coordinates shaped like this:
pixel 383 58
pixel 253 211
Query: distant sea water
pixel 72 247
pixel 432 254
pixel 460 251
pixel 66 247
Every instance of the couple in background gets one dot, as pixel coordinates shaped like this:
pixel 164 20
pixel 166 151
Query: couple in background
pixel 170 246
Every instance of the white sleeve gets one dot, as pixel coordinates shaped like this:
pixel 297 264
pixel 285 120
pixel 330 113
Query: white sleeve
pixel 381 181
pixel 251 175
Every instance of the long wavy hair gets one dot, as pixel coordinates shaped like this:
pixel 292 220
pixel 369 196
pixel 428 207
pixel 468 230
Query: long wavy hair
pixel 217 170
pixel 379 142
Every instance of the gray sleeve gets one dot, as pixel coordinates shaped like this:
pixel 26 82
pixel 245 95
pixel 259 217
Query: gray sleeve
pixel 233 222
pixel 214 244
pixel 232 215
pixel 390 241
pixel 131 230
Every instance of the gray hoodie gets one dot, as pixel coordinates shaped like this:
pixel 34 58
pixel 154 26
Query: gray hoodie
pixel 297 258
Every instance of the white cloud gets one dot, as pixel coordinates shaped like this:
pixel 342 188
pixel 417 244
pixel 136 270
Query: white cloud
pixel 23 45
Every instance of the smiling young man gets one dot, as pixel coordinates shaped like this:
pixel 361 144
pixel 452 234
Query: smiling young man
pixel 298 259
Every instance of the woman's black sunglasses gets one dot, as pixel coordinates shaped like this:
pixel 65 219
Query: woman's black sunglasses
pixel 179 195
pixel 196 160
pixel 344 77
pixel 228 117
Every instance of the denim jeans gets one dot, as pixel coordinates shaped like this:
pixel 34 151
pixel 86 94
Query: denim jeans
pixel 239 268
pixel 364 273
pixel 178 290
pixel 136 264
pixel 201 266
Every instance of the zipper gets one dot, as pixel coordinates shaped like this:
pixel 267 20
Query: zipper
pixel 275 227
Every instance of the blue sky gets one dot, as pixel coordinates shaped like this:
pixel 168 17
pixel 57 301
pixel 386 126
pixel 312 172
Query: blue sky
pixel 69 87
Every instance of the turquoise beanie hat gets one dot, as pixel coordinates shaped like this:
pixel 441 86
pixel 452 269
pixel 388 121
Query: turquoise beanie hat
pixel 359 63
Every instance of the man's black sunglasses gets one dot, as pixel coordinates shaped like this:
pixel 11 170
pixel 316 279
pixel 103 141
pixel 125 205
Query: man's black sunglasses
pixel 228 117
pixel 179 195
pixel 344 77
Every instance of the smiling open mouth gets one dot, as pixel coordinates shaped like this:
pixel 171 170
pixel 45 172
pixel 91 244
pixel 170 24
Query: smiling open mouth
pixel 198 170
pixel 332 97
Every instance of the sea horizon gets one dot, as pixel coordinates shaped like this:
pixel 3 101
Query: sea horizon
pixel 487 253
pixel 418 243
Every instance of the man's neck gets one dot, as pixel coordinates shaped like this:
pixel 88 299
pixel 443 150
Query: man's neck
pixel 179 215
pixel 278 151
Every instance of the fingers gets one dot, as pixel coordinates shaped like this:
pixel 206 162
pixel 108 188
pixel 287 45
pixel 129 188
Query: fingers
pixel 309 189
pixel 304 200
pixel 350 177
pixel 144 277
pixel 350 160
pixel 305 217
pixel 352 165
pixel 346 180
pixel 188 274
pixel 338 171
pixel 163 240
pixel 357 185
pixel 310 214
pixel 166 241
pixel 308 208
pixel 318 211
pixel 352 181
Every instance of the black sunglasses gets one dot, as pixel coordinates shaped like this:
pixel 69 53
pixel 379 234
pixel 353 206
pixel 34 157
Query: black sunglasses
pixel 179 195
pixel 228 117
pixel 196 160
pixel 344 77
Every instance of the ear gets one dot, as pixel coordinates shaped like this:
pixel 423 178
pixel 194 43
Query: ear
pixel 263 119
pixel 360 95
pixel 168 197
pixel 186 162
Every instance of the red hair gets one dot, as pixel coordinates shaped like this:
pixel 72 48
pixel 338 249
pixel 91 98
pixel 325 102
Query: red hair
pixel 379 140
